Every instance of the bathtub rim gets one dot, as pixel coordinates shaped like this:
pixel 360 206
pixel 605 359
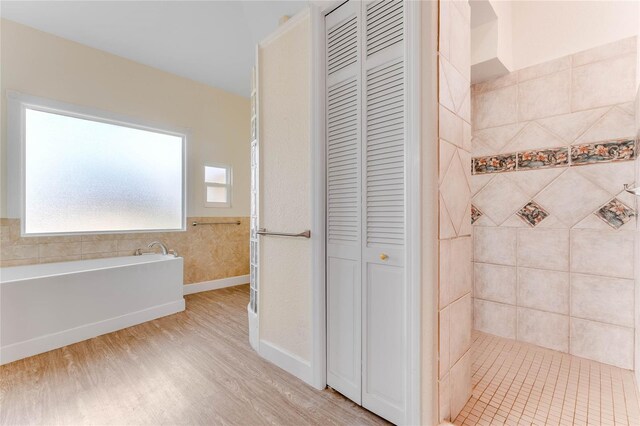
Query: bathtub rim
pixel 67 267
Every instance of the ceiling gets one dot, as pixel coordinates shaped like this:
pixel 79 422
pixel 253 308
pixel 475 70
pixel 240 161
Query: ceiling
pixel 212 42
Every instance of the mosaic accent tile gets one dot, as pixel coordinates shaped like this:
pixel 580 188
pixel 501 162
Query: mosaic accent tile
pixel 475 214
pixel 532 214
pixel 494 164
pixel 603 152
pixel 554 157
pixel 615 213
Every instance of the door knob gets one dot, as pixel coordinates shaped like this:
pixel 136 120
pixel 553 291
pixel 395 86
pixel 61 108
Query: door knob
pixel 384 256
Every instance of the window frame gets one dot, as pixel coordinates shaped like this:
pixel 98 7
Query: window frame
pixel 17 105
pixel 228 185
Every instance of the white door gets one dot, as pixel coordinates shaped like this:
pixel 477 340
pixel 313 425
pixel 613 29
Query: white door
pixel 366 283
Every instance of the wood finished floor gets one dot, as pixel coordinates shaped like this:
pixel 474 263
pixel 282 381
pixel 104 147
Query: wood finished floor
pixel 195 367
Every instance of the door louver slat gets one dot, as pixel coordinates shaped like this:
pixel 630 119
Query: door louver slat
pixel 385 25
pixel 343 192
pixel 342 46
pixel 385 155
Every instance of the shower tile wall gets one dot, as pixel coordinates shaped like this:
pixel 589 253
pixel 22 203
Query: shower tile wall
pixel 455 245
pixel 554 231
pixel 209 252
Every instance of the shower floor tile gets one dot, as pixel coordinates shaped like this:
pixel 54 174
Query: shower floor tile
pixel 515 383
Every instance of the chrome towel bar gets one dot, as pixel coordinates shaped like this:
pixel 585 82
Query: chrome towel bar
pixel 236 222
pixel 305 234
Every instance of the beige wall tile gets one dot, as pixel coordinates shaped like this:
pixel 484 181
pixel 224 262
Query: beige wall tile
pixel 460 384
pixel 16 252
pixel 495 108
pixel 460 42
pixel 609 300
pixel 494 245
pixel 533 136
pixel 450 127
pixel 606 343
pixel 544 329
pixel 543 290
pixel 545 96
pixel 544 68
pixel 455 191
pixel 444 339
pixel 60 249
pixel 494 318
pixel 607 51
pixel 460 328
pixel 570 126
pixel 455 269
pixel 108 246
pixel 604 253
pixel 544 249
pixel 607 82
pixel 444 399
pixel 615 124
pixel 495 283
pixel 500 198
pixel 571 197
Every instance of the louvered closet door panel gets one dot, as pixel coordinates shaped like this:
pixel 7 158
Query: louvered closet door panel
pixel 344 200
pixel 384 320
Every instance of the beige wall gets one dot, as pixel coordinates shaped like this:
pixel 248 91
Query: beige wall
pixel 454 146
pixel 40 64
pixel 545 30
pixel 567 281
pixel 285 198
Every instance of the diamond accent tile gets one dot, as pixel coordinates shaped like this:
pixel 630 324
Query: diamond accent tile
pixel 532 213
pixel 615 213
pixel 475 214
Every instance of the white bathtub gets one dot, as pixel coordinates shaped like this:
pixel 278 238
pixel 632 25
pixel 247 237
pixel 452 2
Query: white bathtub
pixel 43 307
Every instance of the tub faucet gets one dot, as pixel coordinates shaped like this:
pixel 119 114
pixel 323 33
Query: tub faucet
pixel 162 246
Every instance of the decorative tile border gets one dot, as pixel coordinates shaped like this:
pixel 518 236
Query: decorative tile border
pixel 475 214
pixel 620 150
pixel 494 164
pixel 615 213
pixel 532 214
pixel 599 152
pixel 556 157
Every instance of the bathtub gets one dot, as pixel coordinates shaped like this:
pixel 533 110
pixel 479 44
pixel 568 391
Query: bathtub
pixel 44 307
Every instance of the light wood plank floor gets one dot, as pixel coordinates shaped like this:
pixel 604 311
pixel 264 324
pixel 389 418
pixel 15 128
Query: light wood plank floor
pixel 195 367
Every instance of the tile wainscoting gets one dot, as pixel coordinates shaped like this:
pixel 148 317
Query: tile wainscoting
pixel 210 252
pixel 554 230
pixel 455 317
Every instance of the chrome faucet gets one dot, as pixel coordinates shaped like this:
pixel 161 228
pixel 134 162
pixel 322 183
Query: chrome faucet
pixel 162 246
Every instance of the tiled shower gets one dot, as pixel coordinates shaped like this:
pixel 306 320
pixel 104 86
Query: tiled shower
pixel 554 232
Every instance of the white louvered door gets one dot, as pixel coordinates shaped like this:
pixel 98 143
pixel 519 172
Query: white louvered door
pixel 366 286
pixel 344 201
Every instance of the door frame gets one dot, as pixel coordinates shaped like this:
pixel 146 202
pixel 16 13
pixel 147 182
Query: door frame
pixel 413 219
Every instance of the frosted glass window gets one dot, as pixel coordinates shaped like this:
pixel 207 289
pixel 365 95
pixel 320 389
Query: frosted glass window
pixel 217 182
pixel 215 174
pixel 86 176
pixel 216 194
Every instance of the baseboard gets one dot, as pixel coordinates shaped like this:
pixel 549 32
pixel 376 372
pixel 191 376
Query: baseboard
pixel 57 340
pixel 289 362
pixel 216 284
